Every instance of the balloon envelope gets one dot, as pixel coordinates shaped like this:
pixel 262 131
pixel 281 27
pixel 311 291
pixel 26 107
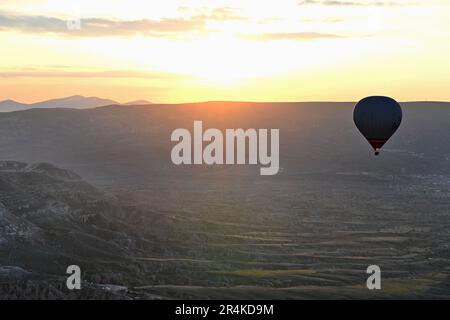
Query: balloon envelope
pixel 377 118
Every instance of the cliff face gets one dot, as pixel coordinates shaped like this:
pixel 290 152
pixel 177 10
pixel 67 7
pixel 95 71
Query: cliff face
pixel 39 201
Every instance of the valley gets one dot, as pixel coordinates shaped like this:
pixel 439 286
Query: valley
pixel 97 188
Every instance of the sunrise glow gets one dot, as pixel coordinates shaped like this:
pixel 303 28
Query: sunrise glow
pixel 180 51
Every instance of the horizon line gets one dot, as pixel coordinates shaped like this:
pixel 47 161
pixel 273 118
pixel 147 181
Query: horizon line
pixel 216 101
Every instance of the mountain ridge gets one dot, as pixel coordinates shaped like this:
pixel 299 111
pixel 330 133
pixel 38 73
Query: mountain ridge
pixel 92 102
pixel 70 102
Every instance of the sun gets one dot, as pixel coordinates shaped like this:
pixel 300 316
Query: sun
pixel 220 59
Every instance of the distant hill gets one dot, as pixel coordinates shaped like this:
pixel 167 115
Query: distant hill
pixel 11 105
pixel 137 102
pixel 73 102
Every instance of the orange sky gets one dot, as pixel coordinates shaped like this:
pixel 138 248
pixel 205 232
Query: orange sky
pixel 180 51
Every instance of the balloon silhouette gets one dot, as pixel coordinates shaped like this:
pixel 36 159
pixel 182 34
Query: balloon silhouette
pixel 377 118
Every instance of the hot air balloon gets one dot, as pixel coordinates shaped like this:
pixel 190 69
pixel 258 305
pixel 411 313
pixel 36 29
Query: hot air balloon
pixel 377 118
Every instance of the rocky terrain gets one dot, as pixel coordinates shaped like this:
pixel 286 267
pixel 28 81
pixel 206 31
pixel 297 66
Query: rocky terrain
pixel 49 219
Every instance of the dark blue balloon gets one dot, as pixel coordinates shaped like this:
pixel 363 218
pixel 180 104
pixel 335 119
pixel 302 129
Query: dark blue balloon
pixel 377 118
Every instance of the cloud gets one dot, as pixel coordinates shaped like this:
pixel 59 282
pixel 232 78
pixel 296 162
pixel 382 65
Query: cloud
pixel 289 36
pixel 101 27
pixel 51 73
pixel 165 27
pixel 348 3
pixel 226 14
